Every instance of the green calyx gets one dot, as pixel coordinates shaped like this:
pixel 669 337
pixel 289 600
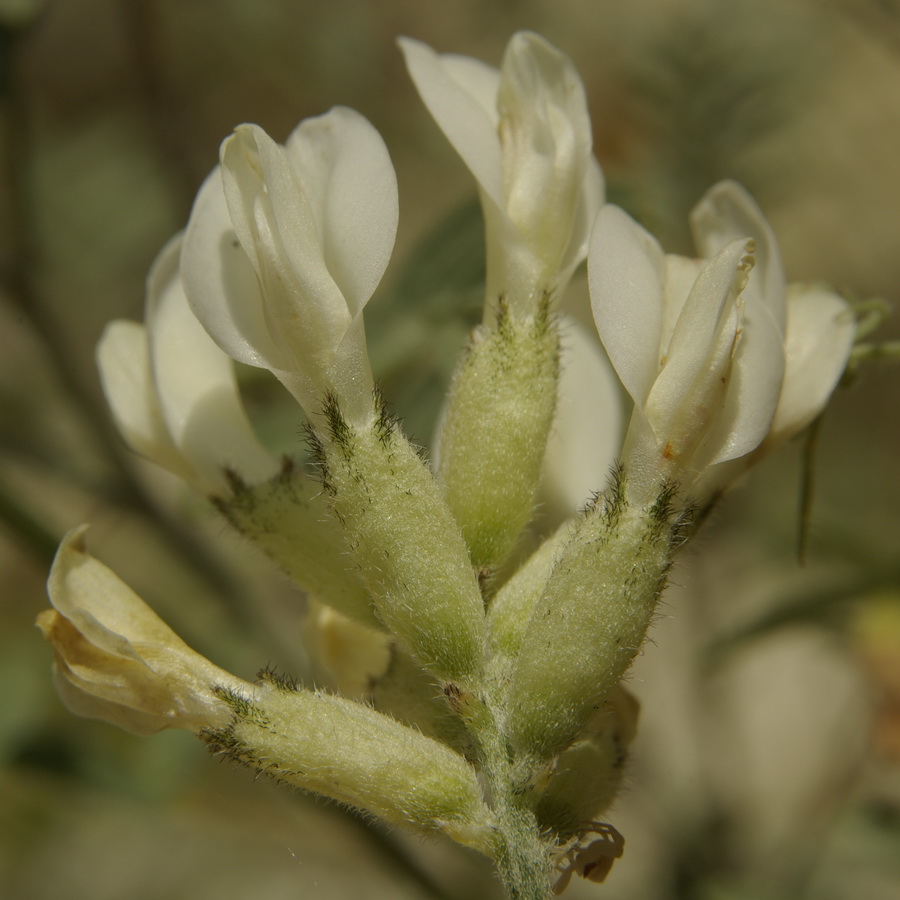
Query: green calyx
pixel 494 436
pixel 405 544
pixel 590 620
pixel 289 519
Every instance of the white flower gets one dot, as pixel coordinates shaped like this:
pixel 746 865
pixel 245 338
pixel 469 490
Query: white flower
pixel 525 134
pixel 820 330
pixel 673 332
pixel 172 391
pixel 715 356
pixel 587 429
pixel 817 325
pixel 116 660
pixel 284 248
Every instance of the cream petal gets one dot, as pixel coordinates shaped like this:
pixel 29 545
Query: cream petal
pixel 347 175
pixel 545 136
pixel 306 314
pixel 220 282
pixel 478 79
pixel 116 655
pixel 820 334
pixel 350 656
pixel 625 271
pixel 694 374
pixel 681 273
pixel 461 95
pixel 591 199
pixel 96 601
pixel 89 706
pixel 755 384
pixel 726 213
pixel 587 433
pixel 123 359
pixel 196 384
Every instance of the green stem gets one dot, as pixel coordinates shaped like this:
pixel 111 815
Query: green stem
pixel 523 858
pixel 882 350
pixel 524 862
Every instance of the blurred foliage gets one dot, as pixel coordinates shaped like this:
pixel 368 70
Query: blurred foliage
pixel 419 329
pixel 774 774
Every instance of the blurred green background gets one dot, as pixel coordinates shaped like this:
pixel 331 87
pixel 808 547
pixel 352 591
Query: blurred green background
pixel 768 764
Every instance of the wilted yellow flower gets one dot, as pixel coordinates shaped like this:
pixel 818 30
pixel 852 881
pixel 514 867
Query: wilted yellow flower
pixel 117 660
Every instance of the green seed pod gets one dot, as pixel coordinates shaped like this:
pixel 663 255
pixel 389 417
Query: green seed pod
pixel 406 544
pixel 589 623
pixel 495 432
pixel 350 753
pixel 290 520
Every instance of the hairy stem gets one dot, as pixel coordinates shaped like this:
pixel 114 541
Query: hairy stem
pixel 523 858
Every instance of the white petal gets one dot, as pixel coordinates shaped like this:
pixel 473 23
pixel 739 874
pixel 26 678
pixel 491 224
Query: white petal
pixel 681 274
pixel 545 136
pixel 98 603
pixel 820 333
pixel 307 315
pixel 220 282
pixel 196 384
pixel 698 357
pixel 587 433
pixel 525 134
pixel 347 175
pixel 124 362
pixel 593 194
pixel 461 95
pixel 726 213
pixel 310 332
pixel 755 384
pixel 625 271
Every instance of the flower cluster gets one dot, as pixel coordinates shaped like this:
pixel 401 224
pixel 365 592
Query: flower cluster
pixel 483 690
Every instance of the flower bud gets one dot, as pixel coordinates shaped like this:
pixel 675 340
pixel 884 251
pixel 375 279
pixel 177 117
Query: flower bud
pixel 411 695
pixel 512 607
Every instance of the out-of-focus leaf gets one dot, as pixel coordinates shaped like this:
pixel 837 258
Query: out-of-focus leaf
pixel 29 531
pixel 418 327
pixel 815 605
pixel 19 13
pixel 876 636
